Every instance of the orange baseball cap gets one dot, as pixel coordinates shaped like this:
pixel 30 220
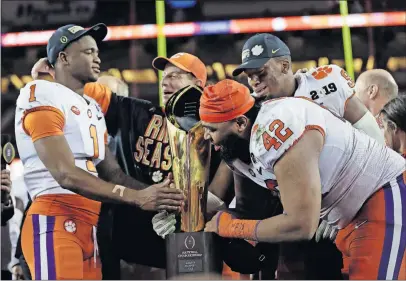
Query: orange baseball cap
pixel 225 101
pixel 186 62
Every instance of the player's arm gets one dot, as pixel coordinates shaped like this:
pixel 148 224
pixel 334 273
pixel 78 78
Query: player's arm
pixel 300 190
pixel 219 188
pixel 57 157
pixel 355 111
pixel 54 151
pixel 359 116
pixel 299 183
pixel 110 171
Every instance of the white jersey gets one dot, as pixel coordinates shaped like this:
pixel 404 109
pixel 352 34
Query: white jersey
pixel 352 165
pixel 329 86
pixel 84 130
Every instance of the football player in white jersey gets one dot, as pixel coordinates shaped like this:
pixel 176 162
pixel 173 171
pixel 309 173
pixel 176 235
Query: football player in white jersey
pixel 266 61
pixel 61 138
pixel 322 168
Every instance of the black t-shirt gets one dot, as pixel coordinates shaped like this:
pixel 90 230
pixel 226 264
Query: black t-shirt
pixel 144 138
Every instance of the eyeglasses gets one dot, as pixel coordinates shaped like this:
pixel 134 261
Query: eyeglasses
pixel 175 75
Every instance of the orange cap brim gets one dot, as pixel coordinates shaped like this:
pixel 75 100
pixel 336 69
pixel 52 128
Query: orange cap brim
pixel 159 63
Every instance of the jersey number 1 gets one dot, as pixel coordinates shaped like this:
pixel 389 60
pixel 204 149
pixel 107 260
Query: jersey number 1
pixel 32 93
pixel 93 134
pixel 279 138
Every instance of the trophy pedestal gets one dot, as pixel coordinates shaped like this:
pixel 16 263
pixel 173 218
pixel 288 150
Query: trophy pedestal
pixel 192 252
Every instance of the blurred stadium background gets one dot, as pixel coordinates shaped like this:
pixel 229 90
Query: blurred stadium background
pixel 213 30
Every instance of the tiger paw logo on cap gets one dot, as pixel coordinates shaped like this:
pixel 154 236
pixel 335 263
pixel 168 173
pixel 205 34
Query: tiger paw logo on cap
pixel 257 50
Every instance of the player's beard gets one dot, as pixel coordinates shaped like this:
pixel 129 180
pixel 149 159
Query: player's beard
pixel 235 147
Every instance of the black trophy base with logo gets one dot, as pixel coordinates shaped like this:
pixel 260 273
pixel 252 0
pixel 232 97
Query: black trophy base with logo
pixel 192 252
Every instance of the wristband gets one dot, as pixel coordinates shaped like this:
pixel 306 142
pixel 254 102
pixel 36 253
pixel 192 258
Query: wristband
pixel 227 226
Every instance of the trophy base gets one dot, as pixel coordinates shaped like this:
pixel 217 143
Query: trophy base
pixel 192 252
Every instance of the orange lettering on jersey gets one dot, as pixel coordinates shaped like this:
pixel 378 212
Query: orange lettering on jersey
pixel 139 147
pixel 90 166
pixel 280 125
pixel 32 93
pixel 322 72
pixel 145 161
pixel 93 135
pixel 167 165
pixel 345 75
pixel 280 136
pixel 156 156
pixel 270 142
pixel 153 127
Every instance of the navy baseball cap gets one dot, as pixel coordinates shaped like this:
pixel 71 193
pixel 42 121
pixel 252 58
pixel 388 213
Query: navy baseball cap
pixel 259 49
pixel 67 34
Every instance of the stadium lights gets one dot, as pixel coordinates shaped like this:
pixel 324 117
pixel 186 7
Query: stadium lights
pixel 186 29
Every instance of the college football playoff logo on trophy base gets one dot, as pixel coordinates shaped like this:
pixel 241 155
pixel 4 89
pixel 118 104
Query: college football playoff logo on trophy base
pixel 191 250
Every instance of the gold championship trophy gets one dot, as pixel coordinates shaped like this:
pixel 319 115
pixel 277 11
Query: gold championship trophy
pixel 191 250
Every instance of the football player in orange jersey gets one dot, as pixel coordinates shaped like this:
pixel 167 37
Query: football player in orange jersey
pixel 61 139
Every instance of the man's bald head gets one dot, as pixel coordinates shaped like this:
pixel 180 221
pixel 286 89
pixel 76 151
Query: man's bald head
pixel 375 88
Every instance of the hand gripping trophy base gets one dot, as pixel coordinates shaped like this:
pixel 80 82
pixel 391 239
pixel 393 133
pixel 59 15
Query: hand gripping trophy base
pixel 192 250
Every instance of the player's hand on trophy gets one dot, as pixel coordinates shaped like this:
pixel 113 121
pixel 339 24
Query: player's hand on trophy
pixel 42 66
pixel 164 223
pixel 161 196
pixel 326 231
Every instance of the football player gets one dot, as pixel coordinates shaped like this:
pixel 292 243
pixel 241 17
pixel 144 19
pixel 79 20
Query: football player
pixel 321 167
pixel 375 88
pixel 142 128
pixel 266 60
pixel 61 138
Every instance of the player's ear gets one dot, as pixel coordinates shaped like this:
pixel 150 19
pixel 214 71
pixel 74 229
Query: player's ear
pixel 285 66
pixel 372 91
pixel 242 122
pixel 63 57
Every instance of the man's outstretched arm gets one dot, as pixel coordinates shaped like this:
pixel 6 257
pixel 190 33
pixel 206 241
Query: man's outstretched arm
pixel 299 184
pixel 110 171
pixel 57 157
